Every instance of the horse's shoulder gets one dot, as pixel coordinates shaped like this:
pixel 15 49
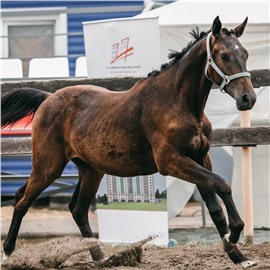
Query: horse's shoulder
pixel 207 126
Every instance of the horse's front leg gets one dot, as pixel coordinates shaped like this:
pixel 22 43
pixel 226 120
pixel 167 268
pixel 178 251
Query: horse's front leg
pixel 169 162
pixel 217 215
pixel 212 202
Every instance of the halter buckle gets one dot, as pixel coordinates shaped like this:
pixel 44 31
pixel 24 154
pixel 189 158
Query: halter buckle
pixel 210 60
pixel 222 91
pixel 227 79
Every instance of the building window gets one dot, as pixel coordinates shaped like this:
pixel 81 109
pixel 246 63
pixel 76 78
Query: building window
pixel 130 185
pixel 122 189
pixel 30 33
pixel 36 41
pixel 138 185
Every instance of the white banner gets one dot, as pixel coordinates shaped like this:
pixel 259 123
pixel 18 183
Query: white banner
pixel 122 47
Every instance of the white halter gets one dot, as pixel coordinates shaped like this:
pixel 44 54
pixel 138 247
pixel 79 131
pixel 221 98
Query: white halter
pixel 226 78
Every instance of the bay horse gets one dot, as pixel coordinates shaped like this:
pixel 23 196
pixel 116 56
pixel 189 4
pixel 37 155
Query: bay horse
pixel 158 125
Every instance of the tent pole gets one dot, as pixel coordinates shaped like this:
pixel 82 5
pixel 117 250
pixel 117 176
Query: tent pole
pixel 247 184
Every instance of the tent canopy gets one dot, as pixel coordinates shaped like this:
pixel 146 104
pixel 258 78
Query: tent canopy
pixel 203 12
pixel 178 18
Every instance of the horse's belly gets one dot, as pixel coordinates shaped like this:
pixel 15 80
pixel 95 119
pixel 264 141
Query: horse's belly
pixel 124 165
pixel 120 157
pixel 130 169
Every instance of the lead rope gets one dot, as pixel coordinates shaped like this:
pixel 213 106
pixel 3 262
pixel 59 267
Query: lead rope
pixel 226 78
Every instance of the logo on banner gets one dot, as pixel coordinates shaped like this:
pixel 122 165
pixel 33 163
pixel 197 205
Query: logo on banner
pixel 121 51
pixel 119 65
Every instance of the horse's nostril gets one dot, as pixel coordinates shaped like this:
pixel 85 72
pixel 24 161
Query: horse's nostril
pixel 245 102
pixel 246 99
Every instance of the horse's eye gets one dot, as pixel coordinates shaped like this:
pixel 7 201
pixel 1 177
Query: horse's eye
pixel 224 56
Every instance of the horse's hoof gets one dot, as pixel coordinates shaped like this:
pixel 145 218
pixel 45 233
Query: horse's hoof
pixel 247 264
pixel 3 259
pixel 8 252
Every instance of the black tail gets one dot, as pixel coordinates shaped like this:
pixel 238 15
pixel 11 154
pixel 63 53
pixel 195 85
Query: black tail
pixel 20 103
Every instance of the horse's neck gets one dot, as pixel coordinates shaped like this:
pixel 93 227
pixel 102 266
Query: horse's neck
pixel 193 86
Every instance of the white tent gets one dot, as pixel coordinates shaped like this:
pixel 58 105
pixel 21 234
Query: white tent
pixel 176 20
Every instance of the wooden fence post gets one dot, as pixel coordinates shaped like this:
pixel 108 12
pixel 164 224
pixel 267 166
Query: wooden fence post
pixel 247 184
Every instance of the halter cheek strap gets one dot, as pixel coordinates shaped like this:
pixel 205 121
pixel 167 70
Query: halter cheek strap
pixel 226 78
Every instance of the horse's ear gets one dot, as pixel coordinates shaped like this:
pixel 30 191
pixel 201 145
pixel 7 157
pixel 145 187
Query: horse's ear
pixel 239 30
pixel 216 27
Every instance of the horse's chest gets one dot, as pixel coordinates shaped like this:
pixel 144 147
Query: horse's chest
pixel 199 143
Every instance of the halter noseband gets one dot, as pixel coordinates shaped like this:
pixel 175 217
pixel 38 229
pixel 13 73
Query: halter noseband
pixel 226 78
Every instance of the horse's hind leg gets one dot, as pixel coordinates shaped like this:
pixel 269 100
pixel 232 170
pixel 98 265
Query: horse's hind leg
pixel 89 180
pixel 74 197
pixel 42 175
pixel 19 193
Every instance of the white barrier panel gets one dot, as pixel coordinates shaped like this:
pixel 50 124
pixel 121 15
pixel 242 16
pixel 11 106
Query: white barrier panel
pixel 122 47
pixel 178 194
pixel 125 227
pixel 130 209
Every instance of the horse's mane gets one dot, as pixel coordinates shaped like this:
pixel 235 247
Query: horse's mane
pixel 175 56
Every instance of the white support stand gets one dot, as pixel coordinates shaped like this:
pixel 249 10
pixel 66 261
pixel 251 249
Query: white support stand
pixel 247 184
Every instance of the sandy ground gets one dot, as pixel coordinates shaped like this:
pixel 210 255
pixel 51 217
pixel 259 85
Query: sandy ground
pixel 49 239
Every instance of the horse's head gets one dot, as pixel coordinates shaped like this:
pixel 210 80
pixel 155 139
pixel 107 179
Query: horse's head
pixel 226 64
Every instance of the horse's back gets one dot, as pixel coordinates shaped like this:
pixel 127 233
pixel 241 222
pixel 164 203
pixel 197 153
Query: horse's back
pixel 72 108
pixel 74 99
